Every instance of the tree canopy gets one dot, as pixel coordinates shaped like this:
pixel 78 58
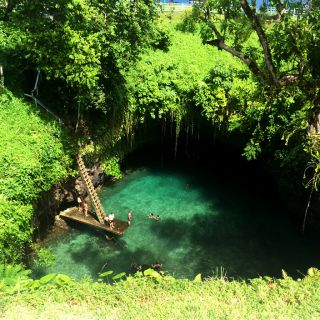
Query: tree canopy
pixel 82 46
pixel 280 53
pixel 33 156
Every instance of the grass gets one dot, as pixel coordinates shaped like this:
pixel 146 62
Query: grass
pixel 166 298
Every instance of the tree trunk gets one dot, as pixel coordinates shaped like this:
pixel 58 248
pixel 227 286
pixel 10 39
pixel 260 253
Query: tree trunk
pixel 262 38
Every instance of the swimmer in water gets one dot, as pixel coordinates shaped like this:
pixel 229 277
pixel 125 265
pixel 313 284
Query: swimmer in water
pixel 129 217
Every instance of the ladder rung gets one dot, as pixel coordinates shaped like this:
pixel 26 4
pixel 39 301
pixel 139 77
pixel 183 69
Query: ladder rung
pixel 90 188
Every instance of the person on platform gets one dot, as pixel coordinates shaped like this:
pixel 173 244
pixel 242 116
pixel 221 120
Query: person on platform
pixel 85 207
pixel 106 220
pixel 111 220
pixel 79 201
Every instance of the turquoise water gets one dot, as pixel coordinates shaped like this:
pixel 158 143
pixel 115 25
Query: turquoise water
pixel 208 221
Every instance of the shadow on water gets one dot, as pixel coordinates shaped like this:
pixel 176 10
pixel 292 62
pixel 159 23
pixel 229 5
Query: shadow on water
pixel 246 229
pixel 242 254
pixel 84 251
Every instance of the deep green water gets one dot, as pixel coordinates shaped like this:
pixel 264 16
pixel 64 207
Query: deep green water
pixel 209 219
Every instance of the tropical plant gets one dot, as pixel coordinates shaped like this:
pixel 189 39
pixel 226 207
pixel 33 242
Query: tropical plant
pixel 32 158
pixel 44 258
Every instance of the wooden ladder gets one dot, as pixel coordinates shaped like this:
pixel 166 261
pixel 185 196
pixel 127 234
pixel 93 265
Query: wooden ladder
pixel 90 189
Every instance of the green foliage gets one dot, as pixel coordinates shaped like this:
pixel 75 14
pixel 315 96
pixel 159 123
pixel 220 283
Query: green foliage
pixel 44 258
pixel 11 38
pixel 226 91
pixel 50 280
pixel 15 279
pixel 12 41
pixel 82 46
pixel 312 179
pixel 152 273
pixel 197 278
pixel 62 280
pixel 188 24
pixel 10 275
pixel 109 150
pixel 32 159
pixel 295 43
pixel 32 156
pixel 161 39
pixel 119 276
pixel 105 274
pixel 179 86
pixel 252 150
pixel 15 229
pixel 169 85
pixel 111 167
pixel 164 297
pixel 272 115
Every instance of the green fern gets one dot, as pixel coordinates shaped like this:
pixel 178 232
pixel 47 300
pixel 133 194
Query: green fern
pixel 11 274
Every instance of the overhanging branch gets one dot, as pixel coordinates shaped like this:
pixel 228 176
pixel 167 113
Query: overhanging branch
pixel 219 43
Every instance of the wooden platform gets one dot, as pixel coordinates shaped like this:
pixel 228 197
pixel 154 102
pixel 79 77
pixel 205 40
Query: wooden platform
pixel 74 214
